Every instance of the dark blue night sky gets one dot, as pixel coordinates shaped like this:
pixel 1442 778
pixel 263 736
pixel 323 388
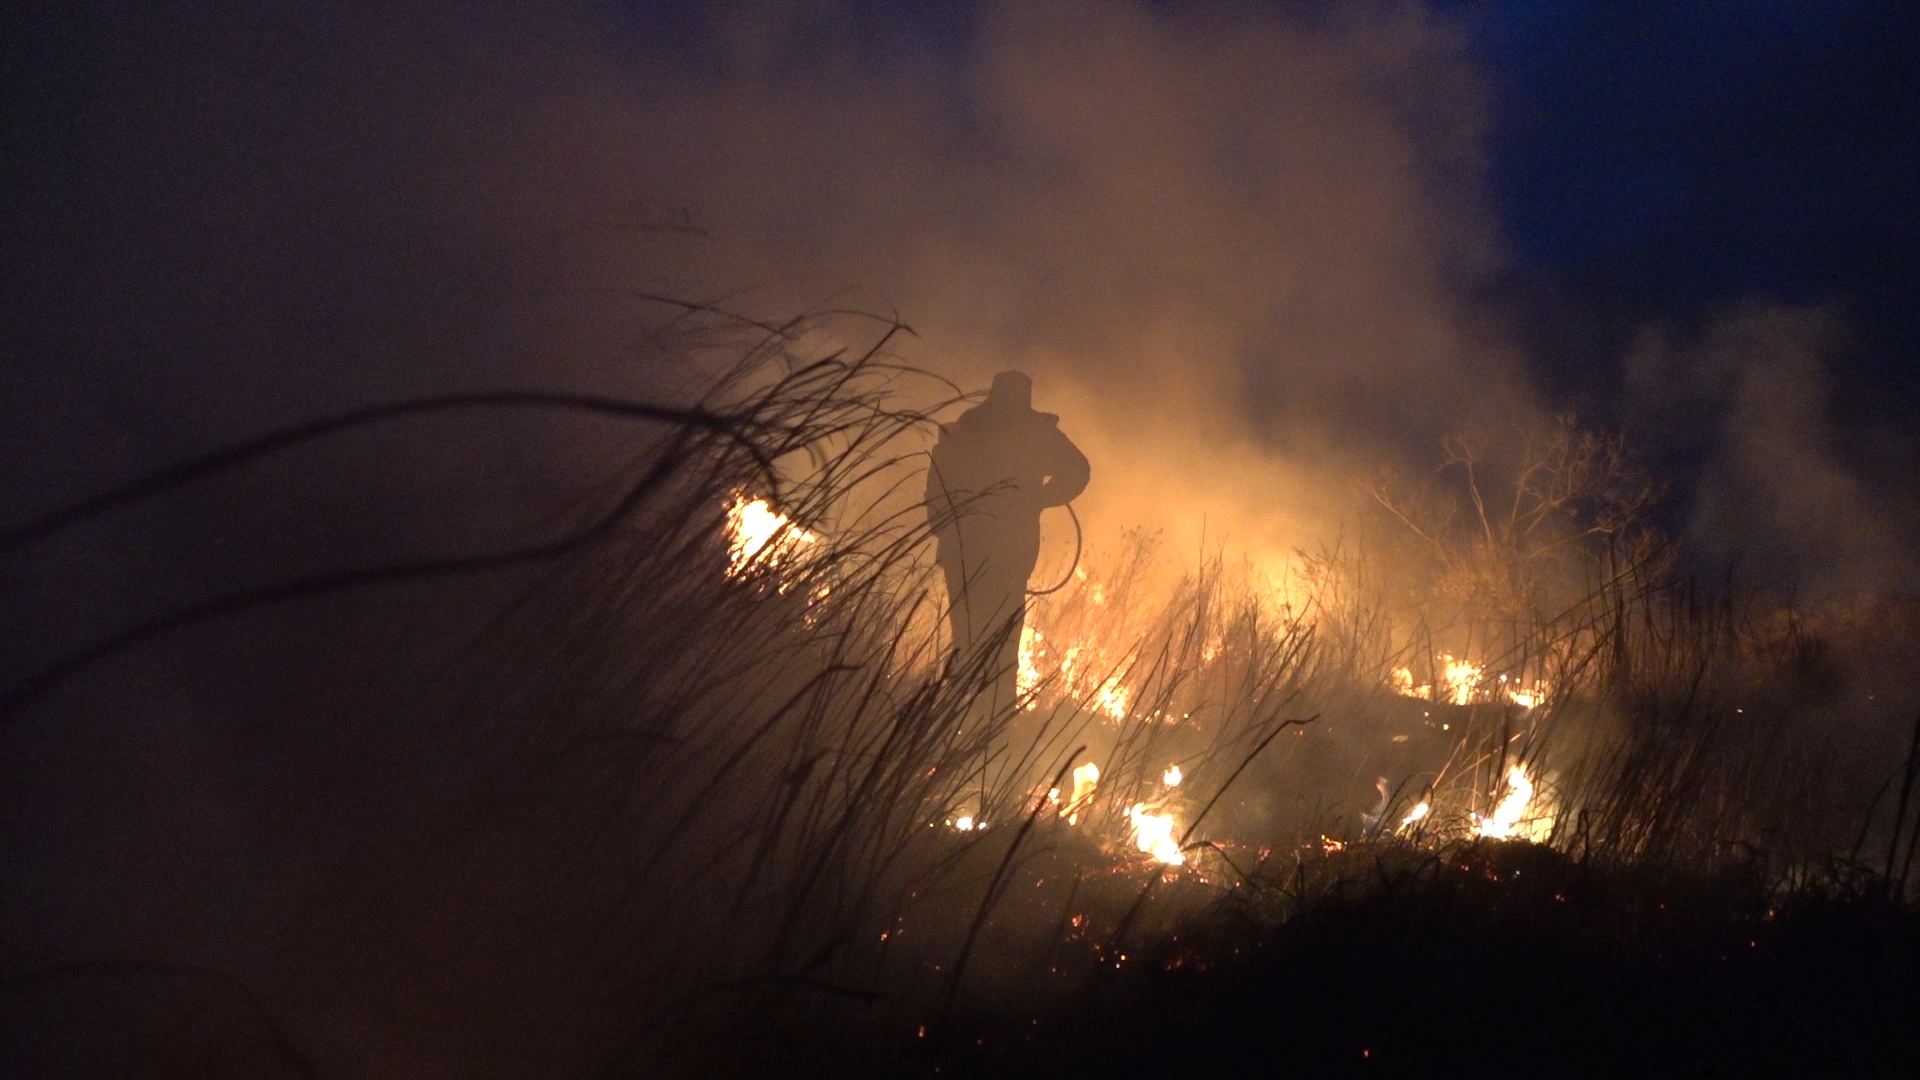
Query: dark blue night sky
pixel 1658 161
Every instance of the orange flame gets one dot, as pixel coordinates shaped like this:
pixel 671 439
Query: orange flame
pixel 757 533
pixel 1153 834
pixel 1085 778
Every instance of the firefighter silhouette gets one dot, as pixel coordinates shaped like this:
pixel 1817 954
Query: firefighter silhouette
pixel 994 470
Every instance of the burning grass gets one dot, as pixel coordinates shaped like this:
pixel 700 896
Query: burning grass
pixel 721 717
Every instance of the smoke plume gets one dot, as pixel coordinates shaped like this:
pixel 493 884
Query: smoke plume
pixel 1231 247
pixel 1782 491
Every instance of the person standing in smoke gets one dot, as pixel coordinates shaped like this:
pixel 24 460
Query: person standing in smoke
pixel 994 470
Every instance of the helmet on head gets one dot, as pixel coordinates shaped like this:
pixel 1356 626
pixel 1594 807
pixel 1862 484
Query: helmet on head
pixel 1011 390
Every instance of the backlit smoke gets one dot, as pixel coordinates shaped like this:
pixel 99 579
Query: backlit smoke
pixel 1235 231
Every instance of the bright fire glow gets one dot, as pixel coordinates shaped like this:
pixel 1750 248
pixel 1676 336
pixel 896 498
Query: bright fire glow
pixel 756 532
pixel 1460 679
pixel 1112 699
pixel 1153 834
pixel 965 823
pixel 1027 676
pixel 1403 684
pixel 1172 776
pixel 1085 778
pixel 1509 818
pixel 1418 813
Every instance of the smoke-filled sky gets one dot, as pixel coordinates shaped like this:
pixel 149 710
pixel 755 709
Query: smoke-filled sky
pixel 1252 253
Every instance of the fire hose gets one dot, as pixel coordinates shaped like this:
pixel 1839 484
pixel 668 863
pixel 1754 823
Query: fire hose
pixel 1076 557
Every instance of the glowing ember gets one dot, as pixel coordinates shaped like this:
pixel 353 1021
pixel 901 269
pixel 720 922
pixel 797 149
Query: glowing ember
pixel 1329 845
pixel 1153 834
pixel 1085 777
pixel 1172 776
pixel 756 532
pixel 1509 818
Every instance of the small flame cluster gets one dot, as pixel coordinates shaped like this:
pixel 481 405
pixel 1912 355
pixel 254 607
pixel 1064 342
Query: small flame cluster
pixel 1107 696
pixel 759 535
pixel 1510 819
pixel 1153 834
pixel 1153 828
pixel 1461 682
pixel 1085 779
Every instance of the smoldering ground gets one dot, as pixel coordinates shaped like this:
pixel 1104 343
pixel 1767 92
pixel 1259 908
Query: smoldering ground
pixel 1235 250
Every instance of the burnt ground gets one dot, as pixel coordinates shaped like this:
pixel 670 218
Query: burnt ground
pixel 1486 960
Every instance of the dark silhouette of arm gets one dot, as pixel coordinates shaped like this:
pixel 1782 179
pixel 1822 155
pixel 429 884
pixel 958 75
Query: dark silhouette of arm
pixel 1067 471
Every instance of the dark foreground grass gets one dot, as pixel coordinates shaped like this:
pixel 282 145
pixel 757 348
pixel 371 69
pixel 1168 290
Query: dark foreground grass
pixel 1485 959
